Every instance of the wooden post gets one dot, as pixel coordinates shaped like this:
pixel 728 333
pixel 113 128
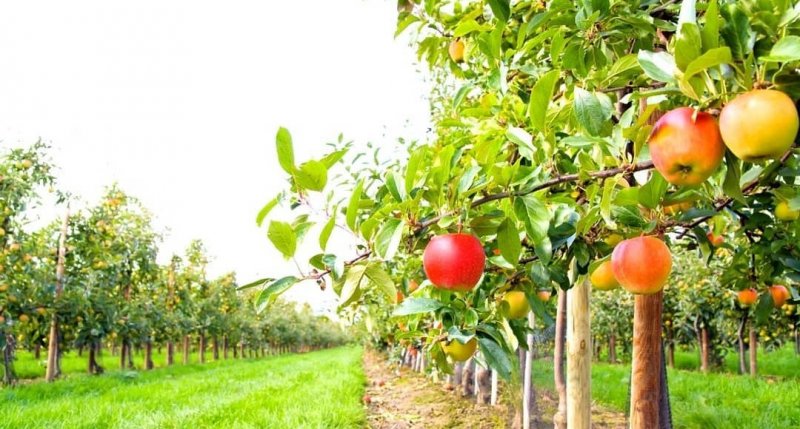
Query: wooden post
pixel 528 398
pixel 753 350
pixel 493 399
pixel 52 346
pixel 646 366
pixel 560 417
pixel 579 358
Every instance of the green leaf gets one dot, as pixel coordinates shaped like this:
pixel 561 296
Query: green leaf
pixel 652 192
pixel 508 241
pixel 733 175
pixel 412 305
pixel 283 142
pixel 523 140
pixel 327 230
pixel 312 175
pixel 455 334
pixel 737 32
pixel 658 66
pixel 283 238
pixel 467 27
pixel 541 95
pixel 590 112
pixel 411 169
pixel 352 206
pixel 393 181
pixel 461 94
pixel 271 292
pixel 388 238
pixel 710 31
pixel 501 9
pixel 332 158
pixel 496 357
pixel 259 282
pixel 262 214
pixel 536 218
pixel 605 202
pixel 763 308
pixel 378 278
pixel 688 44
pixel 787 49
pixel 712 58
pixel 360 278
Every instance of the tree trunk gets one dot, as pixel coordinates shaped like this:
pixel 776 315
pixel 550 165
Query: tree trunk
pixel 740 341
pixel 225 347
pixel 646 363
pixel 455 381
pixel 484 385
pixel 201 346
pixel 215 342
pixel 612 348
pixel 528 393
pixel 130 356
pixel 170 353
pixel 123 355
pixel 560 418
pixel 37 351
pixel 235 352
pixel 9 376
pixel 94 351
pixel 468 378
pixel 753 350
pixel 704 355
pixel 186 350
pixel 148 356
pixel 53 354
pixel 579 358
pixel 670 346
pixel 796 339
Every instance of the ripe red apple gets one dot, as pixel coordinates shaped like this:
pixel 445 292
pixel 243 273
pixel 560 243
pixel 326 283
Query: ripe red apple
pixel 747 297
pixel 454 261
pixel 686 146
pixel 642 264
pixel 456 50
pixel 543 295
pixel 602 277
pixel 779 295
pixel 715 240
pixel 759 125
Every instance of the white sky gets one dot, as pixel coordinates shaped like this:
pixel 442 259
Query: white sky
pixel 179 102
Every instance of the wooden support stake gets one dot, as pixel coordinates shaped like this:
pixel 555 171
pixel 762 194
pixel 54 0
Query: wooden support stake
pixel 52 346
pixel 579 358
pixel 646 365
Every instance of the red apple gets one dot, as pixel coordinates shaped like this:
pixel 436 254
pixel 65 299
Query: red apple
pixel 686 146
pixel 747 297
pixel 543 295
pixel 779 295
pixel 642 264
pixel 715 240
pixel 759 125
pixel 454 261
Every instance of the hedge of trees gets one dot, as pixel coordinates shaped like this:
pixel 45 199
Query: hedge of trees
pixel 91 281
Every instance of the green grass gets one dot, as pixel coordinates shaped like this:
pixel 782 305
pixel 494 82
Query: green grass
pixel 28 367
pixel 698 400
pixel 315 390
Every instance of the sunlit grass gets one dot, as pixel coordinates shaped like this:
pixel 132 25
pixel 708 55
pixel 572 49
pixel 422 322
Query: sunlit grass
pixel 314 390
pixel 717 400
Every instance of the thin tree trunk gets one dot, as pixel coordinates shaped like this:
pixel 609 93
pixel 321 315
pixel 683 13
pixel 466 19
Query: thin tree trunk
pixel 148 356
pixel 130 356
pixel 579 357
pixel 704 355
pixel 170 353
pixel 753 350
pixel 225 347
pixel 528 393
pixel 560 418
pixel 37 351
pixel 123 355
pixel 53 354
pixel 670 347
pixel 456 379
pixel 215 341
pixel 646 363
pixel 467 378
pixel 9 376
pixel 186 350
pixel 201 345
pixel 612 348
pixel 740 341
pixel 796 339
pixel 484 385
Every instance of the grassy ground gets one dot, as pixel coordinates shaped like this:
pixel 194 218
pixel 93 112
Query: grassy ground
pixel 28 367
pixel 314 390
pixel 707 401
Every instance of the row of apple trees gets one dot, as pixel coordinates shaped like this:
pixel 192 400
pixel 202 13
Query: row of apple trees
pixel 114 292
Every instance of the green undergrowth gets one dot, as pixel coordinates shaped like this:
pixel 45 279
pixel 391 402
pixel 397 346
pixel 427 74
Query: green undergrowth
pixel 708 401
pixel 314 390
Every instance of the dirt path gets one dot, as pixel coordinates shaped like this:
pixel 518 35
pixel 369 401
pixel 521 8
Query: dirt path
pixel 411 401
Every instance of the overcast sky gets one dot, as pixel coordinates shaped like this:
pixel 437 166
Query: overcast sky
pixel 179 103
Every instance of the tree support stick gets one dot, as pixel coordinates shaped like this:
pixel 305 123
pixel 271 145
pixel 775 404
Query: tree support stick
pixel 52 345
pixel 646 366
pixel 579 358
